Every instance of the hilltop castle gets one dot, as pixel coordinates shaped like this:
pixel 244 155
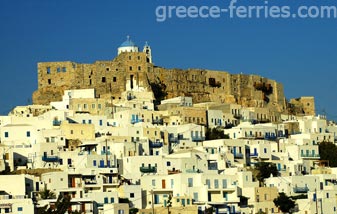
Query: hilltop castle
pixel 132 69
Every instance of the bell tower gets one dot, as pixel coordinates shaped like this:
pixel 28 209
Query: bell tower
pixel 147 50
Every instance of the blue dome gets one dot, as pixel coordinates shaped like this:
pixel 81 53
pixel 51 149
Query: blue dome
pixel 128 43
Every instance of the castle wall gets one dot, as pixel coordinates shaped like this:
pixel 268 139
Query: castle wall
pixel 131 71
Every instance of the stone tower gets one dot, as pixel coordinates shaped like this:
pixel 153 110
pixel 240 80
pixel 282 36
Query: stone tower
pixel 147 50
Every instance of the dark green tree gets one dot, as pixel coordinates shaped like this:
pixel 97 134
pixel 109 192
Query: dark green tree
pixel 47 194
pixel 215 133
pixel 328 151
pixel 61 206
pixel 264 170
pixel 285 203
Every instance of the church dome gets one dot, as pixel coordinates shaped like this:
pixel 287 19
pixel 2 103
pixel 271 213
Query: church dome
pixel 127 46
pixel 128 43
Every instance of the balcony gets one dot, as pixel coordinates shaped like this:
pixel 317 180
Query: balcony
pixel 310 156
pixel 254 155
pixel 156 144
pixel 134 121
pixel 238 155
pixel 171 172
pixel 157 122
pixel 173 139
pixel 148 169
pixel 90 182
pixel 300 189
pixel 46 158
pixel 103 152
pixel 193 171
pixel 197 139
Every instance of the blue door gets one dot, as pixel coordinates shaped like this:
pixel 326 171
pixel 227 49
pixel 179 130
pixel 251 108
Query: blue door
pixel 101 163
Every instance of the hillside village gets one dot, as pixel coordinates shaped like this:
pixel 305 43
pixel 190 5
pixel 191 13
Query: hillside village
pixel 140 146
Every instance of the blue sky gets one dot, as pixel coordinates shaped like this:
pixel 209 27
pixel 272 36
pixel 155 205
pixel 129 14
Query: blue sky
pixel 300 53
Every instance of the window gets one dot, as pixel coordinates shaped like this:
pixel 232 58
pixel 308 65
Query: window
pixel 48 70
pixel 64 69
pixel 99 106
pixel 101 122
pixel 103 79
pixel 93 106
pixel 49 81
pixel 83 121
pixel 195 196
pixel 106 200
pixel 190 182
pixel 89 121
pixel 112 200
pixel 71 131
pixel 120 211
pixel 94 163
pixel 114 79
pixel 58 69
pixel 139 68
pixel 6 134
pixel 153 182
pixel 20 209
pixel 216 183
pixel 265 150
pixel 132 195
pixel 85 106
pixel 168 163
pixel 225 195
pixel 130 68
pixel 208 183
pixel 172 183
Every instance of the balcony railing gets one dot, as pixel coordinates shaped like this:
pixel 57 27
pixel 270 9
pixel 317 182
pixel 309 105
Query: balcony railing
pixel 90 182
pixel 300 189
pixel 133 121
pixel 193 171
pixel 198 139
pixel 156 144
pixel 255 154
pixel 147 169
pixel 173 139
pixel 238 155
pixel 310 156
pixel 50 158
pixel 105 152
pixel 176 171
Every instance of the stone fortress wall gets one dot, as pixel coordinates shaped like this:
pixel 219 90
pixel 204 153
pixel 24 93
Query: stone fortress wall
pixel 110 78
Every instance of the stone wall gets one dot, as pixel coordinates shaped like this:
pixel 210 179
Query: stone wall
pixel 111 78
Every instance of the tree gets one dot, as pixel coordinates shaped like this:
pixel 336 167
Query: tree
pixel 169 204
pixel 328 151
pixel 265 169
pixel 47 194
pixel 285 203
pixel 215 133
pixel 61 206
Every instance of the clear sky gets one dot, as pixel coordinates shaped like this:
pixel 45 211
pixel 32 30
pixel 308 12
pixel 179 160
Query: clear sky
pixel 300 53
